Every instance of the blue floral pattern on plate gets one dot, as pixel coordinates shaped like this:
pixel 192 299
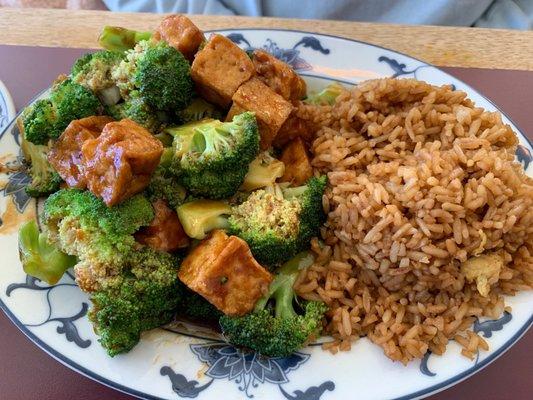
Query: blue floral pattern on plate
pixel 67 325
pixel 290 56
pixel 246 368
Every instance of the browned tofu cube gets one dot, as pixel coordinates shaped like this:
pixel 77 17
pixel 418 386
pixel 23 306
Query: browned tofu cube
pixel 271 110
pixel 179 32
pixel 279 76
pixel 297 164
pixel 219 69
pixel 292 128
pixel 233 111
pixel 223 270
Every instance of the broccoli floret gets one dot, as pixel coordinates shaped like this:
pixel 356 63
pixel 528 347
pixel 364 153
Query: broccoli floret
pixel 143 297
pixel 47 118
pixel 196 308
pixel 278 329
pixel 263 171
pixel 211 157
pixel 279 222
pixel 327 96
pixel 159 72
pixel 199 109
pixel 93 71
pixel 44 180
pixel 133 287
pixel 119 39
pixel 40 258
pixel 164 184
pixel 100 236
pixel 72 101
pixel 136 109
pixel 199 217
pixel 39 121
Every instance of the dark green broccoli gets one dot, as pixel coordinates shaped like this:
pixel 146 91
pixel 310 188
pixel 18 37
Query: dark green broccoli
pixel 279 222
pixel 119 39
pixel 199 109
pixel 136 109
pixel 100 236
pixel 326 96
pixel 44 180
pixel 93 71
pixel 159 72
pixel 47 118
pixel 40 258
pixel 164 185
pixel 39 120
pixel 196 308
pixel 211 157
pixel 144 296
pixel 133 287
pixel 277 327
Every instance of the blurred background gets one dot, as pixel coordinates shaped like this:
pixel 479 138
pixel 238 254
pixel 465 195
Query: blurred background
pixel 509 14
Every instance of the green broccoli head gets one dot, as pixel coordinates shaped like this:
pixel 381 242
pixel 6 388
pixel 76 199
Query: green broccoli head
pixel 164 185
pixel 159 72
pixel 40 258
pixel 119 39
pixel 44 180
pixel 39 120
pixel 199 109
pixel 47 118
pixel 144 296
pixel 277 327
pixel 100 236
pixel 72 101
pixel 211 157
pixel 196 308
pixel 93 71
pixel 279 222
pixel 136 109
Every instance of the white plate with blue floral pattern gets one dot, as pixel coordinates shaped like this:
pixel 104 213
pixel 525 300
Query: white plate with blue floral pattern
pixel 174 362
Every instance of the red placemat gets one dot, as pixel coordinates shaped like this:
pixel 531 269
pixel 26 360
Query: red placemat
pixel 26 372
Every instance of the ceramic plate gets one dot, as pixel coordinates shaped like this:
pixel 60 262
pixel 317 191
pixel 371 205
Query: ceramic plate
pixel 173 362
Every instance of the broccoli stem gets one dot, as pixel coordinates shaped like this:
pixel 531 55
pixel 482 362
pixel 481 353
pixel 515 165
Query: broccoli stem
pixel 40 258
pixel 119 39
pixel 281 288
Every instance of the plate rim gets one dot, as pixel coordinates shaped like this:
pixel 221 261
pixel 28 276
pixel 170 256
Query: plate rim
pixel 436 388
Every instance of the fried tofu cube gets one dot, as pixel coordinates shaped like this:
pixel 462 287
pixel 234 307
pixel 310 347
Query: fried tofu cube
pixel 223 270
pixel 179 32
pixel 120 161
pixel 279 76
pixel 165 232
pixel 298 167
pixel 271 110
pixel 219 69
pixel 293 128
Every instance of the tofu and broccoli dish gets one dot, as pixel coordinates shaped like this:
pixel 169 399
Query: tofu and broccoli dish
pixel 177 184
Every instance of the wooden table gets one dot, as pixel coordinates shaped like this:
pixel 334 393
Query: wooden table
pixel 442 46
pixel 26 372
